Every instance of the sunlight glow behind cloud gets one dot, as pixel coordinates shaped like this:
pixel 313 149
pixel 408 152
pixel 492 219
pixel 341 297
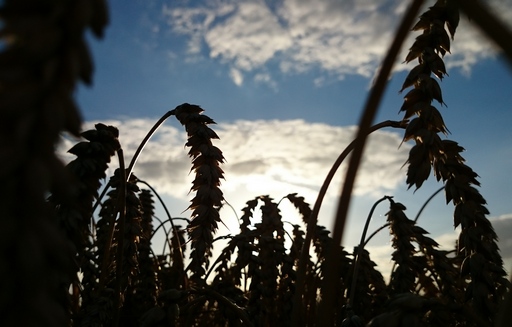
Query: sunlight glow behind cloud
pixel 339 38
pixel 263 157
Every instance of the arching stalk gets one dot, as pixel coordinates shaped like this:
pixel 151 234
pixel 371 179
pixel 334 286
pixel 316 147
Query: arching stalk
pixel 145 141
pixel 375 233
pixel 135 156
pixel 313 219
pixel 325 315
pixel 426 202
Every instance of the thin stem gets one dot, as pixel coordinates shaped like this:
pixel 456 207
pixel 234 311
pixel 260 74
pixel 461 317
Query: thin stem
pixel 219 258
pixel 98 200
pixel 121 208
pixel 135 156
pixel 360 251
pixel 375 233
pixel 162 225
pixel 326 318
pixel 426 202
pixel 234 211
pixel 313 219
pixel 112 224
pixel 145 141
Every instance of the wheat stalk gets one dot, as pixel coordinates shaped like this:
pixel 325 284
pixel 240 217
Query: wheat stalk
pixel 324 317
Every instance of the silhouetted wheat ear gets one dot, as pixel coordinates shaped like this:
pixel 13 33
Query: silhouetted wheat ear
pixel 42 58
pixel 371 293
pixel 145 288
pixel 131 233
pixel 477 239
pixel 98 303
pixel 206 160
pixel 87 169
pixel 264 275
pixel 246 247
pixel 321 241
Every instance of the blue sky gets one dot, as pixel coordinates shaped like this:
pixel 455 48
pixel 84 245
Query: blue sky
pixel 286 81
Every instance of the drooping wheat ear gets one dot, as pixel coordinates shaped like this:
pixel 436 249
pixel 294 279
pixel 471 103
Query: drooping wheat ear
pixel 327 304
pixel 206 160
pixel 477 239
pixel 88 169
pixel 423 269
pixel 43 56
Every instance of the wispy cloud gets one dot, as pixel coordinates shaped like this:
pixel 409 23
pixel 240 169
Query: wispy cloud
pixel 338 37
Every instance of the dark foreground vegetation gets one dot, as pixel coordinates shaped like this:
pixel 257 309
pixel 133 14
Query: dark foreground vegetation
pixel 72 256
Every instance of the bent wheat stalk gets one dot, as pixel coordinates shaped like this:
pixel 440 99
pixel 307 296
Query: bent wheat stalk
pixel 313 218
pixel 327 303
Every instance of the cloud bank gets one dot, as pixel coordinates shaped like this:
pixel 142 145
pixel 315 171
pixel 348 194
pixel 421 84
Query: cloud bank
pixel 263 157
pixel 338 37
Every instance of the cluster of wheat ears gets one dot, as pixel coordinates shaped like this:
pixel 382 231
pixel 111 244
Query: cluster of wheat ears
pixel 72 256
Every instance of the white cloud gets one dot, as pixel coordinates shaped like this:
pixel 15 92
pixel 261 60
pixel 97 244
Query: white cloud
pixel 236 76
pixel 262 36
pixel 266 79
pixel 339 37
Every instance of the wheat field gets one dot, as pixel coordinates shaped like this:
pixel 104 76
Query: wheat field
pixel 77 245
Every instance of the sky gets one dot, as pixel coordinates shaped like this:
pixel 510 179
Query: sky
pixel 286 82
